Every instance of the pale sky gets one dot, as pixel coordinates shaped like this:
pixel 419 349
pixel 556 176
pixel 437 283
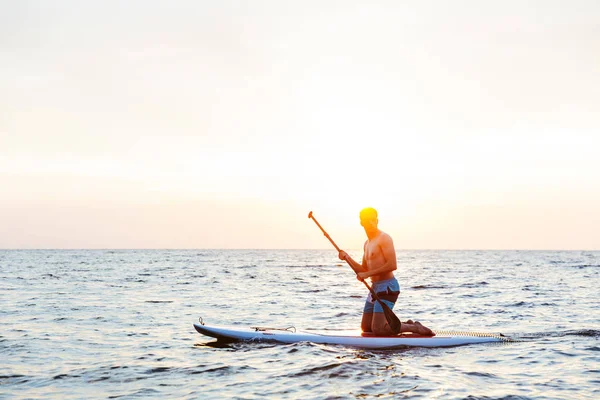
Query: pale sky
pixel 221 124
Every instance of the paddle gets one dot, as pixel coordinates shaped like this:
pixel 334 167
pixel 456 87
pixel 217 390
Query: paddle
pixel 391 318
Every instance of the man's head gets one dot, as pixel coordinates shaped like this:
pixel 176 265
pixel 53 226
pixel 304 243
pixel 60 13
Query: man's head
pixel 368 219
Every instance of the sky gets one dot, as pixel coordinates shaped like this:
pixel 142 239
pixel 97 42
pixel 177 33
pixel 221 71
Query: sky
pixel 221 124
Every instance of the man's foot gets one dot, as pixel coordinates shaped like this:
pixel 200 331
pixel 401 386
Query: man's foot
pixel 423 330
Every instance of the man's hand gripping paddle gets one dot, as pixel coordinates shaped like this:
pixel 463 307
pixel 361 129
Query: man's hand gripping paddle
pixel 391 318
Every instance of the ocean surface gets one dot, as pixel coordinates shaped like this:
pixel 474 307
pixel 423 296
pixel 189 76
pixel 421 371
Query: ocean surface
pixel 118 324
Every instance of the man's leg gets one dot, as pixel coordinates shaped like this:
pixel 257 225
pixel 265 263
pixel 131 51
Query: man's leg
pixel 380 325
pixel 367 317
pixel 366 322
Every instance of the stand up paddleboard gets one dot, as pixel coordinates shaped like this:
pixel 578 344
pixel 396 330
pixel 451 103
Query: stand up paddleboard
pixel 347 338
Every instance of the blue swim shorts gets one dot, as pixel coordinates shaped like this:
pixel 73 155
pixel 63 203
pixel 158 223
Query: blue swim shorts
pixel 387 291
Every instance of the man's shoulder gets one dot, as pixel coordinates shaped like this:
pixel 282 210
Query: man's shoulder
pixel 383 234
pixel 384 237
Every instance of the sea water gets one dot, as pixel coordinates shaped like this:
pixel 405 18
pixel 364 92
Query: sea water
pixel 119 324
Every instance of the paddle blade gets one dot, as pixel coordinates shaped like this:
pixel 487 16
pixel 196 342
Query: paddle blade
pixel 391 318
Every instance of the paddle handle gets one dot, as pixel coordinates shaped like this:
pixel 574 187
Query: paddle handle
pixel 310 215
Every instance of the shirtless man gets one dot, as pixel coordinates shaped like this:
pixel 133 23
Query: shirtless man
pixel 378 263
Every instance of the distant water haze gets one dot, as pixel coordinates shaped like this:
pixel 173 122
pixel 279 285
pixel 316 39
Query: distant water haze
pixel 468 125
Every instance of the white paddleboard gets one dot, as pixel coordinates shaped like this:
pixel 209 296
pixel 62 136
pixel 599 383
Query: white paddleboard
pixel 347 338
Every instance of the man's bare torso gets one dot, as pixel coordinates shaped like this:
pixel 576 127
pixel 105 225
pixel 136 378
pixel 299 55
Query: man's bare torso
pixel 374 256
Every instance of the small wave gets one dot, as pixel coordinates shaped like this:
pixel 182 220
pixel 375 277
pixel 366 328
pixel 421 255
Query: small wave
pixel 418 287
pixel 13 379
pixel 102 378
pixel 217 344
pixel 315 370
pixel 474 284
pixel 581 266
pixel 342 314
pixel 11 376
pixel 157 370
pixel 564 353
pixel 520 304
pixel 140 393
pixel 216 369
pixel 482 374
pixel 578 332
pixel 308 266
pixel 158 301
pixel 223 370
pixel 63 376
pixel 530 287
pixel 583 332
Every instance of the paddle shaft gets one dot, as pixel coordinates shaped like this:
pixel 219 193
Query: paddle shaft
pixel 323 230
pixel 388 311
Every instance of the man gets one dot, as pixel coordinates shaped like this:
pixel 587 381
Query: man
pixel 378 263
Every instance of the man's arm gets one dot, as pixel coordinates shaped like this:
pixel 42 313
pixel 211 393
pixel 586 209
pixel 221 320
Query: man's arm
pixel 358 268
